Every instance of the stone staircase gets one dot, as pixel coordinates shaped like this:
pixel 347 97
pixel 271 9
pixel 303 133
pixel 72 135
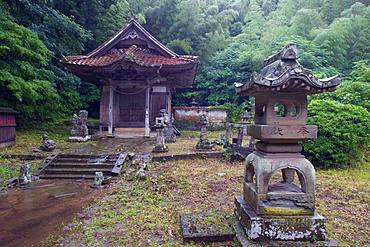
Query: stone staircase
pixel 76 166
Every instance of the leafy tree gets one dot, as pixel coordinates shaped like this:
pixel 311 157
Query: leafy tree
pixel 25 81
pixel 181 47
pixel 62 36
pixel 305 21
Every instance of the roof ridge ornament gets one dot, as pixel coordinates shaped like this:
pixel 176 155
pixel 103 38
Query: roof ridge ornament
pixel 289 53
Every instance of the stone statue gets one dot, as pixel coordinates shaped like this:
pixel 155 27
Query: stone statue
pixel 25 174
pixel 98 179
pixel 204 143
pixel 47 144
pixel 160 146
pixel 168 131
pixel 79 131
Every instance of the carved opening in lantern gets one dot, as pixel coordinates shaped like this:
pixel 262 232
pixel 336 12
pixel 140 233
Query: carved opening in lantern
pixel 260 110
pixel 285 180
pixel 249 174
pixel 294 110
pixel 280 109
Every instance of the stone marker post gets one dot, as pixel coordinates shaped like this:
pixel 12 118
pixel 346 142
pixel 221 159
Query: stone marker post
pixel 272 212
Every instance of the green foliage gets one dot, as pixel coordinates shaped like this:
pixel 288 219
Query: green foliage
pixel 232 38
pixel 25 81
pixel 343 133
pixel 62 36
pixel 181 47
pixel 234 111
pixel 116 16
pixel 355 93
pixel 356 90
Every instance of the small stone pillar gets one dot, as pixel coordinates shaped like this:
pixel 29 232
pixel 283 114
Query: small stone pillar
pixel 281 213
pixel 160 146
pixel 79 131
pixel 228 133
pixel 239 142
pixel 204 143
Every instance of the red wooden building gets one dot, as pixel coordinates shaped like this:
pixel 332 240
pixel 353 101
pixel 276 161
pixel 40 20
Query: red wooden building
pixel 137 76
pixel 7 126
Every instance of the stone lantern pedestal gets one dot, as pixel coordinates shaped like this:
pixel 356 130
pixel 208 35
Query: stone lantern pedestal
pixel 277 207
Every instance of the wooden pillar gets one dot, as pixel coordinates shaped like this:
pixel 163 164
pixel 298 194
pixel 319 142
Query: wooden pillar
pixel 169 103
pixel 147 111
pixel 110 111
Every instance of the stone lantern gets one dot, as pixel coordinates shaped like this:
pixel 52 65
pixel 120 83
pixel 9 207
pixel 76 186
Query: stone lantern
pixel 281 209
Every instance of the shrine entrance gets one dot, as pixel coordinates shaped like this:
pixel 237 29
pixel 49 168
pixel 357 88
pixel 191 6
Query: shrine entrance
pixel 132 109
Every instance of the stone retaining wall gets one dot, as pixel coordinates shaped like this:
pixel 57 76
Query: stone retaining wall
pixel 187 117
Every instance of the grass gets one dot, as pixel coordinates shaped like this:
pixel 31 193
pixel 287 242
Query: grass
pixel 146 212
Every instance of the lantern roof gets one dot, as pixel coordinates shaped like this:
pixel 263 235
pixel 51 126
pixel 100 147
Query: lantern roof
pixel 283 73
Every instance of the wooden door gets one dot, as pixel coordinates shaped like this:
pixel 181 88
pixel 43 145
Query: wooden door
pixel 132 110
pixel 158 102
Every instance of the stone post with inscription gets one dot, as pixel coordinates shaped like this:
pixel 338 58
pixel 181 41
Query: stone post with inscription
pixel 280 211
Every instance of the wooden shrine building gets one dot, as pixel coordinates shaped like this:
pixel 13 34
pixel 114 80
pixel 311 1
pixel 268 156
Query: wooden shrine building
pixel 137 76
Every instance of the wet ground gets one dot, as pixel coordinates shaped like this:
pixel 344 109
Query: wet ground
pixel 28 215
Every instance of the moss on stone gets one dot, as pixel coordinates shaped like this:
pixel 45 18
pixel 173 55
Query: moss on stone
pixel 285 211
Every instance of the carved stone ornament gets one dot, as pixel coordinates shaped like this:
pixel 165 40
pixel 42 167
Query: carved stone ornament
pixel 168 131
pixel 79 131
pixel 98 180
pixel 25 177
pixel 47 144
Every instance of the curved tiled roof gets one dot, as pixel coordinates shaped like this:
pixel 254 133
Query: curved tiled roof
pixel 140 56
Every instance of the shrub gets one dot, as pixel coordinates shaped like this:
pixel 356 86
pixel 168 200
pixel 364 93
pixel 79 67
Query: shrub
pixel 343 133
pixel 355 93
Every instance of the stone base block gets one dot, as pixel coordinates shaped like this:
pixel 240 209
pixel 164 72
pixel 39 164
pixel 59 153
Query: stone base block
pixel 244 241
pixel 279 228
pixel 79 138
pixel 204 145
pixel 160 149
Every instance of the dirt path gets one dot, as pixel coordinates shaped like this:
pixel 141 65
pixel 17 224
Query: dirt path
pixel 29 215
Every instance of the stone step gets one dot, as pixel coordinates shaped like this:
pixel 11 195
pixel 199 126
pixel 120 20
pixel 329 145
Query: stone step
pixel 128 130
pixel 66 176
pixel 69 171
pixel 80 160
pixel 81 165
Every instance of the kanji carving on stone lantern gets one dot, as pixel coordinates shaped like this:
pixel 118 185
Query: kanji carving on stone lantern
pixel 284 210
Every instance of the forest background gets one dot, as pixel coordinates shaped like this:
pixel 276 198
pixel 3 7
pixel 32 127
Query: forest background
pixel 231 38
